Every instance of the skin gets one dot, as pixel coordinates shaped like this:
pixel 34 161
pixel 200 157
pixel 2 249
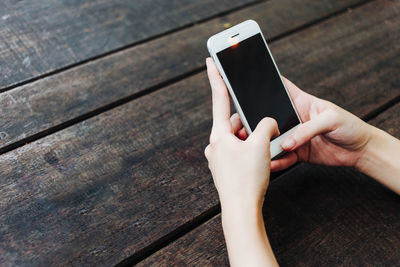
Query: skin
pixel 240 164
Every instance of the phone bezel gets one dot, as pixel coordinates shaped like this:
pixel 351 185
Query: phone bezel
pixel 229 37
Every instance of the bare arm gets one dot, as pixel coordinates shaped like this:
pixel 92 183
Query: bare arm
pixel 245 235
pixel 381 159
pixel 333 136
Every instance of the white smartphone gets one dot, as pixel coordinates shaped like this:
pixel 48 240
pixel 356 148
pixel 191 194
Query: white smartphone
pixel 253 79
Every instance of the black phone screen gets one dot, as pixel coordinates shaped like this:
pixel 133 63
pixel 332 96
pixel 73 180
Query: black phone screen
pixel 256 83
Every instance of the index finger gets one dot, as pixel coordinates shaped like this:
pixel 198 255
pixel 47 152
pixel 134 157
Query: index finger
pixel 294 91
pixel 220 99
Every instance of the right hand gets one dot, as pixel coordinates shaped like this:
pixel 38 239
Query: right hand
pixel 332 136
pixel 329 134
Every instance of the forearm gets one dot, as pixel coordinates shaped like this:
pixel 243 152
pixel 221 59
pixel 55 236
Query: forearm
pixel 381 159
pixel 245 236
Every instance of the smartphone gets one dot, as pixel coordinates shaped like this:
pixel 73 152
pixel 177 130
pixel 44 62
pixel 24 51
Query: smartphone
pixel 253 80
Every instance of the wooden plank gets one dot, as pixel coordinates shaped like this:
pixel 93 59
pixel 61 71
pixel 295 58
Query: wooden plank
pixel 37 107
pixel 44 36
pixel 314 216
pixel 105 188
pixel 102 189
pixel 389 121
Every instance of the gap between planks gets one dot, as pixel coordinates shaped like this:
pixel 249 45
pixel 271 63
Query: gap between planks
pixel 124 47
pixel 170 237
pixel 154 88
pixel 207 215
pixel 215 210
pixel 316 21
pixel 185 228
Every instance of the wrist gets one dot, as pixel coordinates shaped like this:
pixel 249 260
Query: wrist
pixel 241 214
pixel 241 205
pixel 373 149
pixel 380 159
pixel 240 217
pixel 369 149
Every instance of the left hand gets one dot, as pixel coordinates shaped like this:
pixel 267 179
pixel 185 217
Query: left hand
pixel 240 169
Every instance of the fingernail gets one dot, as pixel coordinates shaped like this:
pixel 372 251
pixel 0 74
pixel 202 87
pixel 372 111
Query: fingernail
pixel 288 143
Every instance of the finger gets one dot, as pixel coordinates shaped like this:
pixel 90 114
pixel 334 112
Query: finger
pixel 323 123
pixel 293 90
pixel 220 99
pixel 242 134
pixel 236 123
pixel 265 129
pixel 284 162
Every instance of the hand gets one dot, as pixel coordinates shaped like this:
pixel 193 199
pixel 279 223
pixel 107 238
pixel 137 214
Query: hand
pixel 329 134
pixel 240 169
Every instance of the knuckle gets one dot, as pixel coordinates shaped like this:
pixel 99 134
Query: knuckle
pixel 207 152
pixel 216 139
pixel 332 115
pixel 274 123
pixel 234 116
pixel 269 121
pixel 212 138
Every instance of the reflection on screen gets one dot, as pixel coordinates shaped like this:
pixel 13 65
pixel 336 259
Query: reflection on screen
pixel 256 83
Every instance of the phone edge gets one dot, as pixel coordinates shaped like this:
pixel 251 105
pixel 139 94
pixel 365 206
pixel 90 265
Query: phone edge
pixel 275 145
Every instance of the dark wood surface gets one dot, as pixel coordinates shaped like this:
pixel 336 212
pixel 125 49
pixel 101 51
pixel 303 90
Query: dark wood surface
pixel 117 167
pixel 90 88
pixel 389 121
pixel 314 216
pixel 40 37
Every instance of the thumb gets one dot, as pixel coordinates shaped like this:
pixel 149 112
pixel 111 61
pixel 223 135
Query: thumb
pixel 265 129
pixel 325 122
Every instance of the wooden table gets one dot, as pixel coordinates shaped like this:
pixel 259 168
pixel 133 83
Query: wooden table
pixel 106 109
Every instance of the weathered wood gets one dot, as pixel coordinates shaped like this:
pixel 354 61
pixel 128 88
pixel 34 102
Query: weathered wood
pixel 36 107
pixel 314 216
pixel 103 189
pixel 44 36
pixel 389 120
pixel 204 246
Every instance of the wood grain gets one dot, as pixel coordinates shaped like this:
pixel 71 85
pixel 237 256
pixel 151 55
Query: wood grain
pixel 39 106
pixel 103 189
pixel 389 121
pixel 44 36
pixel 314 216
